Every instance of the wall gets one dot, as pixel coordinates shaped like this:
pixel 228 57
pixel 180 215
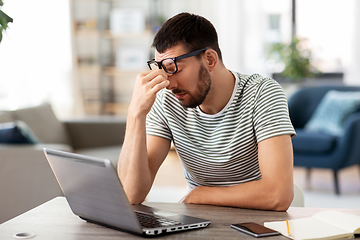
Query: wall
pixel 352 73
pixel 35 56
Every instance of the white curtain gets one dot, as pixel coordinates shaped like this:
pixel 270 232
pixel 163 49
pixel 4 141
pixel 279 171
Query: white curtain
pixel 241 28
pixel 35 56
pixel 352 73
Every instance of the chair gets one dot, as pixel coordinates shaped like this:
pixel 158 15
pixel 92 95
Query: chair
pixel 298 200
pixel 322 149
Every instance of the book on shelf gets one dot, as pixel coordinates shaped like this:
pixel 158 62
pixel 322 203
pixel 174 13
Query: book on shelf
pixel 323 225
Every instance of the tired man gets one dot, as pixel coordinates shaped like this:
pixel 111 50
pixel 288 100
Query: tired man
pixel 232 132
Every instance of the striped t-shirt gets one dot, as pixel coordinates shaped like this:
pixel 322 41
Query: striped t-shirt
pixel 221 149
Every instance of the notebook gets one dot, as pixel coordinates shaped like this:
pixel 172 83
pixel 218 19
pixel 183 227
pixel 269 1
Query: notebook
pixel 327 224
pixel 95 194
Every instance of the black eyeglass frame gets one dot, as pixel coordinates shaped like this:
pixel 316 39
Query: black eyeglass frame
pixel 175 59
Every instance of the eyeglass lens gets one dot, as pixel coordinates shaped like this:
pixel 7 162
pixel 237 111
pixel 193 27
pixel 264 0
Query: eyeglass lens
pixel 153 65
pixel 168 64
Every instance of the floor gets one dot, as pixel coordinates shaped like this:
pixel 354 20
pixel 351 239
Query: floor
pixel 170 185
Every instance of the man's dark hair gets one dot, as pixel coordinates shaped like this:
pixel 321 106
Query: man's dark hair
pixel 193 31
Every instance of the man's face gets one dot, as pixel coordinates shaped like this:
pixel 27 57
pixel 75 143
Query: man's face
pixel 192 83
pixel 195 98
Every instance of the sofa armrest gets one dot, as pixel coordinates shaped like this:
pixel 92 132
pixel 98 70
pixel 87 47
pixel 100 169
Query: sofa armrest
pixel 96 132
pixel 351 138
pixel 26 179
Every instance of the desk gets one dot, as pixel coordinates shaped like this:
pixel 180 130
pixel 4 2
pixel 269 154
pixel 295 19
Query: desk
pixel 55 221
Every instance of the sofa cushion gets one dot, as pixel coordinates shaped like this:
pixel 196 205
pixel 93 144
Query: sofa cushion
pixel 5 117
pixel 331 112
pixel 313 142
pixel 16 133
pixel 44 124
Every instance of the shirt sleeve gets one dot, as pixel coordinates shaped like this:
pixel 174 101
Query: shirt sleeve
pixel 271 114
pixel 156 121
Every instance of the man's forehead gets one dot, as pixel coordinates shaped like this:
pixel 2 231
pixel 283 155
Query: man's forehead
pixel 170 52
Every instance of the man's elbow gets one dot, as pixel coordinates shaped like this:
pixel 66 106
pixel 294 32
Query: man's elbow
pixel 134 197
pixel 282 201
pixel 135 200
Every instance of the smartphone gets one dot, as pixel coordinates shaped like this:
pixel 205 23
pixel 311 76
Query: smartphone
pixel 254 229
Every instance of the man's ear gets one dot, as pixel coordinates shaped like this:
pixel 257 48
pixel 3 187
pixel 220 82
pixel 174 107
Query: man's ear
pixel 211 58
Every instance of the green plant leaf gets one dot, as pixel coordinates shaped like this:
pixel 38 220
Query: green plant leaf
pixel 297 61
pixel 3 24
pixel 4 19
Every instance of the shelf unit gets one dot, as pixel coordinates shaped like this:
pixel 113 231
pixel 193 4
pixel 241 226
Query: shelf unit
pixel 111 43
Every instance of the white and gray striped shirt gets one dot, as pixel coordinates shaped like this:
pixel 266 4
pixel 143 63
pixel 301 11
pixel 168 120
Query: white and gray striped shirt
pixel 221 149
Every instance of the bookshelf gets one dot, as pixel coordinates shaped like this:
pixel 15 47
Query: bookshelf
pixel 111 44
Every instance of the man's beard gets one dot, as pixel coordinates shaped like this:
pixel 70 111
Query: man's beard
pixel 203 88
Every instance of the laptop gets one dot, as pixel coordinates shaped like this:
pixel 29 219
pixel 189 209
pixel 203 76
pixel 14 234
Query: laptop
pixel 94 192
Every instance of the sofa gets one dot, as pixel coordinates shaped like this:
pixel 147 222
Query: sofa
pixel 26 179
pixel 327 123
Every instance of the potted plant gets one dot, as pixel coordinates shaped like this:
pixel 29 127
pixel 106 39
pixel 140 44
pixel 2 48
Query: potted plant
pixel 4 20
pixel 296 59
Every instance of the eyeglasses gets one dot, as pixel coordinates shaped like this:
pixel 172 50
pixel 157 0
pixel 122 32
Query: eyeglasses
pixel 170 64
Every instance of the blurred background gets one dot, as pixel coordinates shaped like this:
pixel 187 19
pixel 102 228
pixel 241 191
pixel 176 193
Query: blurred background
pixel 82 57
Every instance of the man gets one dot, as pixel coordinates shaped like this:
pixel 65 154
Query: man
pixel 232 132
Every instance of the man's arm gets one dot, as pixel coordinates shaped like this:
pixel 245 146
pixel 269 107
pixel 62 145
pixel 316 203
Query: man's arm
pixel 274 191
pixel 138 162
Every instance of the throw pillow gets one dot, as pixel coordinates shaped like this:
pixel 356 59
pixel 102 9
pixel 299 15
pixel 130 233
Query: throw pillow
pixel 44 123
pixel 332 110
pixel 16 133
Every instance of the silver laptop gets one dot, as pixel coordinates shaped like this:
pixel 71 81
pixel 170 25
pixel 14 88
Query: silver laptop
pixel 95 194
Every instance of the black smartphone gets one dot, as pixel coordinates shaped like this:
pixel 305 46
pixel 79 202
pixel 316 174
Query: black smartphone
pixel 254 229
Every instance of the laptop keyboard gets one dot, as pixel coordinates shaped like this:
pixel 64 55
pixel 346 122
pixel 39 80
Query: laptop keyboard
pixel 150 221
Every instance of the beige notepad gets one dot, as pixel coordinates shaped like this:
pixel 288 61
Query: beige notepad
pixel 323 225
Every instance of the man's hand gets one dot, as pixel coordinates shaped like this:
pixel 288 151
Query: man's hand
pixel 146 86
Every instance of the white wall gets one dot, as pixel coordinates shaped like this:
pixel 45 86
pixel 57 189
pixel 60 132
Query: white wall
pixel 35 56
pixel 328 24
pixel 352 73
